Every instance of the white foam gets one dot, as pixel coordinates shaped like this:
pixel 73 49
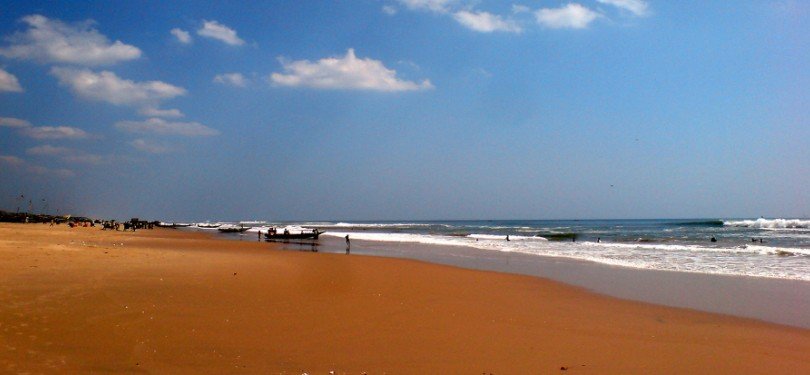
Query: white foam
pixel 253 223
pixel 743 260
pixel 770 250
pixel 494 237
pixel 495 227
pixel 404 237
pixel 763 223
pixel 378 225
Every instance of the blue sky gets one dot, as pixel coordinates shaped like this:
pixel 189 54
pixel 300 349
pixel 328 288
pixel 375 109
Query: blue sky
pixel 406 109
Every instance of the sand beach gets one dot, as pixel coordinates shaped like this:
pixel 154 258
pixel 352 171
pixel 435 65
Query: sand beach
pixel 83 300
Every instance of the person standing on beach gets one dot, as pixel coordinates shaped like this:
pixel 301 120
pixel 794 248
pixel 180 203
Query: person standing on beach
pixel 348 244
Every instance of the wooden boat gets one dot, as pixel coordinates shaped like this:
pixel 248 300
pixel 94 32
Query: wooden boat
pixel 269 236
pixel 232 229
pixel 173 225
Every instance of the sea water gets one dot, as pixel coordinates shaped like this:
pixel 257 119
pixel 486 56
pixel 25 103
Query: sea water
pixel 765 248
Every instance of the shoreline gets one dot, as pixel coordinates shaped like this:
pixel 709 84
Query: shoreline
pixel 779 301
pixel 83 299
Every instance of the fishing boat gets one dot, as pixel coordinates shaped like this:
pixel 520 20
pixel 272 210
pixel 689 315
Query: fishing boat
pixel 232 229
pixel 173 225
pixel 303 235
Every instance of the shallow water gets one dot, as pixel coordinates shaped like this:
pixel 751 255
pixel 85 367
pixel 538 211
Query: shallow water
pixel 766 248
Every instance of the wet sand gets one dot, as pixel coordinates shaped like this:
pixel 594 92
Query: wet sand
pixel 773 300
pixel 168 301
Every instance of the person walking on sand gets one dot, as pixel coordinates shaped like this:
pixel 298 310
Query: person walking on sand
pixel 348 244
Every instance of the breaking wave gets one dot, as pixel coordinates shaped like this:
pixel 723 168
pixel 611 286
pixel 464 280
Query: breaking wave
pixel 770 223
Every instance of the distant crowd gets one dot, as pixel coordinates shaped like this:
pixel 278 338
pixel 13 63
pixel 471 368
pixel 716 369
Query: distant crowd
pixel 75 221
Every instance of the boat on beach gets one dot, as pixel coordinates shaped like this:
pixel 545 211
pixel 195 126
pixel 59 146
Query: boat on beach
pixel 303 235
pixel 173 225
pixel 233 229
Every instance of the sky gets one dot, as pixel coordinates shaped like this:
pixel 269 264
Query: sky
pixel 406 109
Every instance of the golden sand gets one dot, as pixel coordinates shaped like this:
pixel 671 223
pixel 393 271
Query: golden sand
pixel 169 301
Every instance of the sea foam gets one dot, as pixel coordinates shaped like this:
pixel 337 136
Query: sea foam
pixel 770 223
pixel 724 260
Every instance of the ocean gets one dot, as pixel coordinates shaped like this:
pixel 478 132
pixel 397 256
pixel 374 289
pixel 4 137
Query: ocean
pixel 761 248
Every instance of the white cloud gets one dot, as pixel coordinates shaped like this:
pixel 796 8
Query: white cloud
pixel 54 132
pixel 163 127
pixel 485 22
pixel 347 72
pixel 43 132
pixel 389 10
pixel 48 150
pixel 20 164
pixel 409 64
pixel 67 155
pixel 233 79
pixel 517 9
pixel 637 7
pixel 149 146
pixel 53 41
pixel 108 87
pixel 44 171
pixel 218 31
pixel 465 15
pixel 158 112
pixel 11 122
pixel 438 6
pixel 181 35
pixel 9 83
pixel 571 16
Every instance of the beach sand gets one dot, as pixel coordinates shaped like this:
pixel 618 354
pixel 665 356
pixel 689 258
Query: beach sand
pixel 170 301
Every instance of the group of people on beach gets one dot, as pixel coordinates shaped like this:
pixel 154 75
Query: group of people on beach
pixel 74 224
